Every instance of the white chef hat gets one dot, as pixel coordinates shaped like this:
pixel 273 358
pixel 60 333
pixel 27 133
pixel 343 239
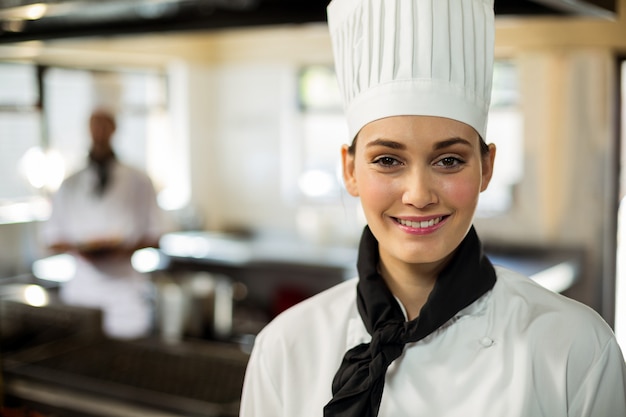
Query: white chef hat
pixel 413 57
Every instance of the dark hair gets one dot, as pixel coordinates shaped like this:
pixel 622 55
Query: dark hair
pixel 105 115
pixel 484 148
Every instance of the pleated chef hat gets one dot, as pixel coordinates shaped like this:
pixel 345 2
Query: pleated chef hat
pixel 413 57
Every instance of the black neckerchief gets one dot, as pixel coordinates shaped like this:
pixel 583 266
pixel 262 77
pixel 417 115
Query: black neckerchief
pixel 359 382
pixel 102 165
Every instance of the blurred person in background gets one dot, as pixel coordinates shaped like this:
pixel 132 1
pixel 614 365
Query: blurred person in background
pixel 101 215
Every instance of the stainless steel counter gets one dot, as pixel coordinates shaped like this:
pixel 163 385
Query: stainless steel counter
pixel 114 378
pixel 85 374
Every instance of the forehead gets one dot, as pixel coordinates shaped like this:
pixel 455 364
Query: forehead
pixel 419 129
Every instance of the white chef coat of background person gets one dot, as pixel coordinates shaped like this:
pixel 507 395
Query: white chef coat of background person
pixel 101 215
pixel 430 327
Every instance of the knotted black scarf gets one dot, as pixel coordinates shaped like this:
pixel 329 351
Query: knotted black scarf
pixel 102 165
pixel 359 382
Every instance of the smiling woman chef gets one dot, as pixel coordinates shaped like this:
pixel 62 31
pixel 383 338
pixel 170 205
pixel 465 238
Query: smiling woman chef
pixel 430 327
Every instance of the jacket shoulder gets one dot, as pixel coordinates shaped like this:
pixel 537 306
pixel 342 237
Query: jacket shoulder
pixel 324 311
pixel 541 308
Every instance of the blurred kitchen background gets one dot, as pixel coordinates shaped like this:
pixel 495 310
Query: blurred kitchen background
pixel 231 107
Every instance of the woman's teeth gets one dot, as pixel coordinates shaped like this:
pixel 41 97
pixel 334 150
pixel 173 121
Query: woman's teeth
pixel 420 225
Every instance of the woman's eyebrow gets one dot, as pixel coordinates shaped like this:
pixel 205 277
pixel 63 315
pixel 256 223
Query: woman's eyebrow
pixel 392 144
pixel 386 143
pixel 450 142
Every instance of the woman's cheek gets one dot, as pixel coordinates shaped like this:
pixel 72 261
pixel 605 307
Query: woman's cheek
pixel 375 194
pixel 461 190
pixel 374 189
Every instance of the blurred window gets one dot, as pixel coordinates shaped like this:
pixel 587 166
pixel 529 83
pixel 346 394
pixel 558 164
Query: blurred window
pixel 19 86
pixel 20 131
pixel 506 130
pixel 323 129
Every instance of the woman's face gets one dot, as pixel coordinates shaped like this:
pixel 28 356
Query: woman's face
pixel 418 178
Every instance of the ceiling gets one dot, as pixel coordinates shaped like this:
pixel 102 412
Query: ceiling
pixel 22 20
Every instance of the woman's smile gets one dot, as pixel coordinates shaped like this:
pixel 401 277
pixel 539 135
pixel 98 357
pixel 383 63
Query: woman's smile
pixel 420 226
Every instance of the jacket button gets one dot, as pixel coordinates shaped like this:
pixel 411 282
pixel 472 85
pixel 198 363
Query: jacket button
pixel 486 341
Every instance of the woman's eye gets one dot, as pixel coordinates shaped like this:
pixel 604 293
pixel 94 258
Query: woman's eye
pixel 386 161
pixel 449 162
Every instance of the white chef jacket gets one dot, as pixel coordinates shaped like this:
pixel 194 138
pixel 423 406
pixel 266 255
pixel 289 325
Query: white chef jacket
pixel 127 211
pixel 518 351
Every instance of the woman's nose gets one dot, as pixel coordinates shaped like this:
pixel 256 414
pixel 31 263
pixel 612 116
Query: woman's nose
pixel 419 190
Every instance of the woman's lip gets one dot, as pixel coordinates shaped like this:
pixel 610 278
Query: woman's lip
pixel 421 225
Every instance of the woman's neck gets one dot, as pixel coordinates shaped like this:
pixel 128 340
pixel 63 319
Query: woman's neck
pixel 410 283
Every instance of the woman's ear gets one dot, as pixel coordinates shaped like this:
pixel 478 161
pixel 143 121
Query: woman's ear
pixel 349 179
pixel 487 166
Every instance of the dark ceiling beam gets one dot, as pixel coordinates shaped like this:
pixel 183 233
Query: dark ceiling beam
pixel 594 8
pixel 84 18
